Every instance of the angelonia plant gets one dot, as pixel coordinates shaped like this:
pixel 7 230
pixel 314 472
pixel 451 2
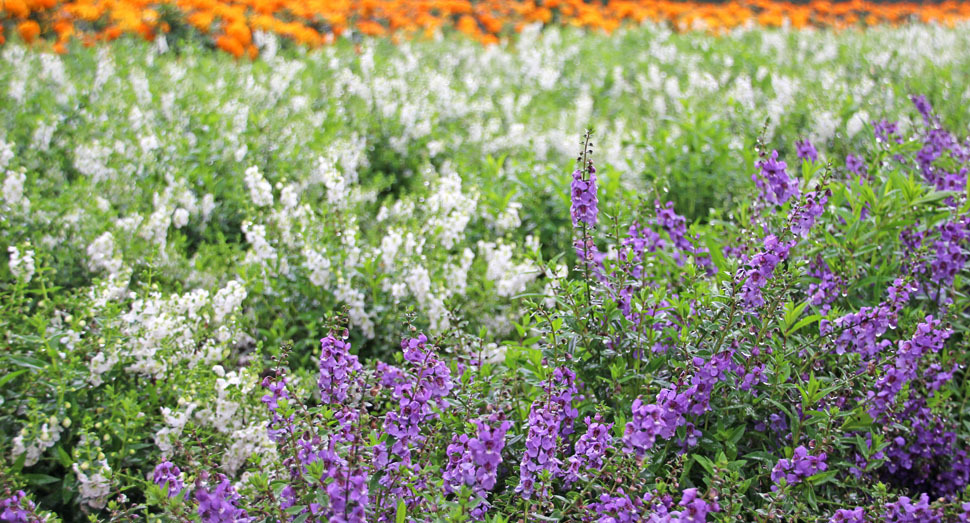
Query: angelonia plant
pixel 802 359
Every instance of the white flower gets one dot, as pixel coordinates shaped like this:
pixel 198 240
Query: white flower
pixel 6 154
pixel 509 219
pixel 13 190
pixel 101 254
pixel 227 300
pixel 318 265
pixel 260 191
pixel 94 487
pixel 21 263
pixel 180 218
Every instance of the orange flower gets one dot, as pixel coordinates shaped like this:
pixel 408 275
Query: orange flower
pixel 240 32
pixel 230 45
pixel 319 22
pixel 29 30
pixel 17 8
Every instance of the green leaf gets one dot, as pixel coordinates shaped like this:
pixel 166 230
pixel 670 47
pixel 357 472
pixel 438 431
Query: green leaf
pixel 704 462
pixel 40 479
pixel 860 420
pixel 26 361
pixel 822 477
pixel 402 512
pixel 8 377
pixel 63 457
pixel 933 197
pixel 803 322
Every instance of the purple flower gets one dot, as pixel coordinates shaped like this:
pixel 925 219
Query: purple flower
pixel 887 131
pixel 590 449
pixel 761 266
pixel 855 165
pixel 808 209
pixel 337 367
pixel 798 468
pixel 806 151
pixel 776 187
pixel 219 504
pixel 860 331
pixel 905 511
pixel 427 382
pixel 662 418
pixel 928 338
pixel 676 228
pixel 349 496
pixel 550 418
pixel 18 509
pixel 618 508
pixel 277 392
pixel 924 107
pixel 844 515
pixel 584 203
pixel 826 290
pixel 167 473
pixel 474 461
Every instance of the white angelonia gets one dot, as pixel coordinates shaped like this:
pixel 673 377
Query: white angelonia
pixel 94 486
pixel 509 219
pixel 449 209
pixel 510 277
pixel 13 191
pixel 260 252
pixel 180 218
pixel 419 282
pixel 42 136
pixel 227 300
pixel 6 154
pixel 290 197
pixel 456 275
pixel 318 266
pixel 327 174
pixel 101 254
pixel 32 442
pixel 246 442
pixel 856 123
pixel 100 363
pixel 390 245
pixel 21 263
pixel 207 206
pixel 260 191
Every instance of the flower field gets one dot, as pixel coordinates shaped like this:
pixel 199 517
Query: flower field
pixel 627 262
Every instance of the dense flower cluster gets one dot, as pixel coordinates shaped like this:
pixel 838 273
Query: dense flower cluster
pixel 799 467
pixel 243 29
pixel 550 418
pixel 663 418
pixel 761 267
pixel 905 511
pixel 168 476
pixel 473 461
pixel 165 270
pixel 928 338
pixel 218 504
pixel 18 509
pixel 337 367
pixel 590 450
pixel 773 180
pixel 584 208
